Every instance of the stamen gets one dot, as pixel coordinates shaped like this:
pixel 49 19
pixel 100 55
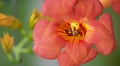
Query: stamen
pixel 74 25
pixel 73 31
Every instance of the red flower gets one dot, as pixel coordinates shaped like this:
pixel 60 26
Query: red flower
pixel 73 33
pixel 116 6
pixel 114 3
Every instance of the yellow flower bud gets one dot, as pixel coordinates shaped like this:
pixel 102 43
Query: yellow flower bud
pixel 7 42
pixel 35 17
pixel 106 3
pixel 9 22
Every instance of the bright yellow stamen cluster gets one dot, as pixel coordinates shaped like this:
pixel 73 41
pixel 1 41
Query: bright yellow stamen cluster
pixel 74 25
pixel 72 31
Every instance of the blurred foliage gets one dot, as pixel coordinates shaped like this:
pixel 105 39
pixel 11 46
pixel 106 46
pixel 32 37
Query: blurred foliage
pixel 22 10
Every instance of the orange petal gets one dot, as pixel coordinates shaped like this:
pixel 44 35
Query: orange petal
pixel 106 3
pixel 46 43
pixel 92 54
pixel 104 36
pixel 116 6
pixel 73 54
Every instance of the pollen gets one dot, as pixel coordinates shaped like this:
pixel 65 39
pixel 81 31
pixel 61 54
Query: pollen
pixel 72 31
pixel 74 25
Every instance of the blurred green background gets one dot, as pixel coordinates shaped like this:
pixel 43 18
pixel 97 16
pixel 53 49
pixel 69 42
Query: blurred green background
pixel 22 9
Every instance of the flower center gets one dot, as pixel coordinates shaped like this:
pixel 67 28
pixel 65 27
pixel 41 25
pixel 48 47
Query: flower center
pixel 72 31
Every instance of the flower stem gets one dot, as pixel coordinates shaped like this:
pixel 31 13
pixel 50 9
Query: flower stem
pixel 10 57
pixel 17 49
pixel 17 57
pixel 23 32
pixel 23 42
pixel 25 50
